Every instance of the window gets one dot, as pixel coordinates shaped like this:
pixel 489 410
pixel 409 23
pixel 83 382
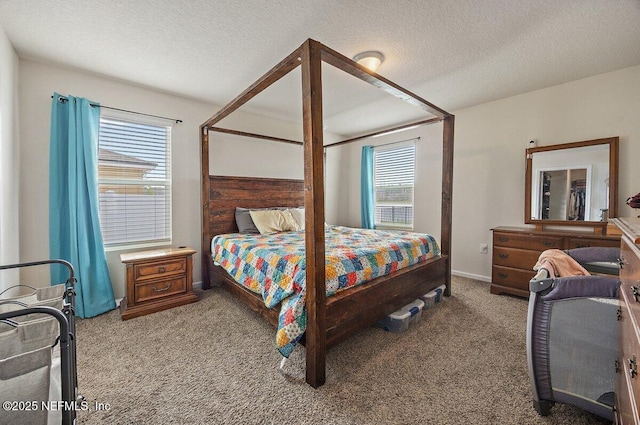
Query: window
pixel 393 178
pixel 134 182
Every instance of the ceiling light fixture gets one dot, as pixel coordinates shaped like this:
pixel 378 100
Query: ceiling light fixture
pixel 370 59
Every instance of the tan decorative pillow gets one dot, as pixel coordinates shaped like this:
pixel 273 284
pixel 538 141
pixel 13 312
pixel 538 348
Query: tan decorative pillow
pixel 273 221
pixel 298 216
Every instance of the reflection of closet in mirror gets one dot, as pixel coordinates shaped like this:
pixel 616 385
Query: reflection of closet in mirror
pixel 569 185
pixel 564 194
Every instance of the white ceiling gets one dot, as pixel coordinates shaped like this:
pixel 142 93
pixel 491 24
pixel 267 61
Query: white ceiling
pixel 455 53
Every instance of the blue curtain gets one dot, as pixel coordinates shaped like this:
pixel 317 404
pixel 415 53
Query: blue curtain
pixel 74 227
pixel 366 188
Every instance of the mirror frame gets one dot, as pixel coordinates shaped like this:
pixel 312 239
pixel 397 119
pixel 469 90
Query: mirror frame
pixel 613 143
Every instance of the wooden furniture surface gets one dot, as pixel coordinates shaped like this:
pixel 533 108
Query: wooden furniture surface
pixel 352 312
pixel 157 280
pixel 627 380
pixel 516 251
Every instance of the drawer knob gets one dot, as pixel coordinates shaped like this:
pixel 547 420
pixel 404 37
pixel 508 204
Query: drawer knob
pixel 162 289
pixel 548 243
pixel 505 256
pixel 503 239
pixel 162 269
pixel 503 275
pixel 633 367
pixel 636 292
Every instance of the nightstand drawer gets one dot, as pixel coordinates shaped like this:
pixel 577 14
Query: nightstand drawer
pixel 157 280
pixel 146 271
pixel 531 242
pixel 163 288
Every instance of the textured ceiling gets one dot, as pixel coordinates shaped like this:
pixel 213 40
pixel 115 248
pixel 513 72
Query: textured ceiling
pixel 455 54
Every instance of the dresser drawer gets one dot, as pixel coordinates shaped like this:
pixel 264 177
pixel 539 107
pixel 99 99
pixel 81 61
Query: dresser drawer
pixel 514 278
pixel 630 277
pixel 159 289
pixel 629 358
pixel 516 250
pixel 156 269
pixel 624 414
pixel 587 242
pixel 630 255
pixel 516 258
pixel 530 242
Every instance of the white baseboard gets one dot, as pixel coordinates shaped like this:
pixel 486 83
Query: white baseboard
pixel 471 275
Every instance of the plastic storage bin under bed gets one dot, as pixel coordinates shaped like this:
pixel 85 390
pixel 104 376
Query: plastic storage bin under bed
pixel 399 320
pixel 431 298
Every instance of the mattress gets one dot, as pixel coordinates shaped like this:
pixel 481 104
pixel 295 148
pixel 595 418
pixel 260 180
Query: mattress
pixel 274 266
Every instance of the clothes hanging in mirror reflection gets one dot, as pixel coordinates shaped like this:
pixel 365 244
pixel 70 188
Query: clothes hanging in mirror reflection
pixel 576 201
pixel 564 194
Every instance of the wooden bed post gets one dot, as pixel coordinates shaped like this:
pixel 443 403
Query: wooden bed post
pixel 447 191
pixel 205 255
pixel 328 321
pixel 316 333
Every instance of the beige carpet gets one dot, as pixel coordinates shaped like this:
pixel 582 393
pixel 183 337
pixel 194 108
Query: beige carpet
pixel 214 362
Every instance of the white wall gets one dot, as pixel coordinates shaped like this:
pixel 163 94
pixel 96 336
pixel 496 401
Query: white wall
pixel 37 84
pixel 343 178
pixel 489 157
pixel 231 155
pixel 490 140
pixel 489 183
pixel 9 160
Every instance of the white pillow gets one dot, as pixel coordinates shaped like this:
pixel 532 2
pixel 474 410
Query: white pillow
pixel 273 221
pixel 298 216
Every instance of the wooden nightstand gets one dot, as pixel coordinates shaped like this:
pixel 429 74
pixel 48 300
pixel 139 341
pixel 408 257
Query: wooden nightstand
pixel 157 280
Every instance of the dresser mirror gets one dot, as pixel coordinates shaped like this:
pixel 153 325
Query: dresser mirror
pixel 572 184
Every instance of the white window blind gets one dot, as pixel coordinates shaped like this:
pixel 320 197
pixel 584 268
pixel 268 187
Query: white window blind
pixel 134 163
pixel 394 176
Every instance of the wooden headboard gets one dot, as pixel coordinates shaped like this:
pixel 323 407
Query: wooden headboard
pixel 226 193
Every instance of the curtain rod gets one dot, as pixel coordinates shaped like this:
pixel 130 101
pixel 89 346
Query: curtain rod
pixel 387 131
pixel 399 141
pixel 64 99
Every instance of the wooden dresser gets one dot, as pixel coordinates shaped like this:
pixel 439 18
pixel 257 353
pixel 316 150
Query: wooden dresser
pixel 157 280
pixel 516 251
pixel 627 379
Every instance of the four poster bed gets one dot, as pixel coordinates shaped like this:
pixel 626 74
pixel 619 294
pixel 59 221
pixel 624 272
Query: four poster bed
pixel 329 319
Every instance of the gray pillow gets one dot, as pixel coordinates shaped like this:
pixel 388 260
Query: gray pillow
pixel 245 222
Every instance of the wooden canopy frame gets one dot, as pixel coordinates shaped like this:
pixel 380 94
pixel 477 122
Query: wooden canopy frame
pixel 310 56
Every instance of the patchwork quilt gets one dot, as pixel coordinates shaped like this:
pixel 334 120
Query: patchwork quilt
pixel 274 266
